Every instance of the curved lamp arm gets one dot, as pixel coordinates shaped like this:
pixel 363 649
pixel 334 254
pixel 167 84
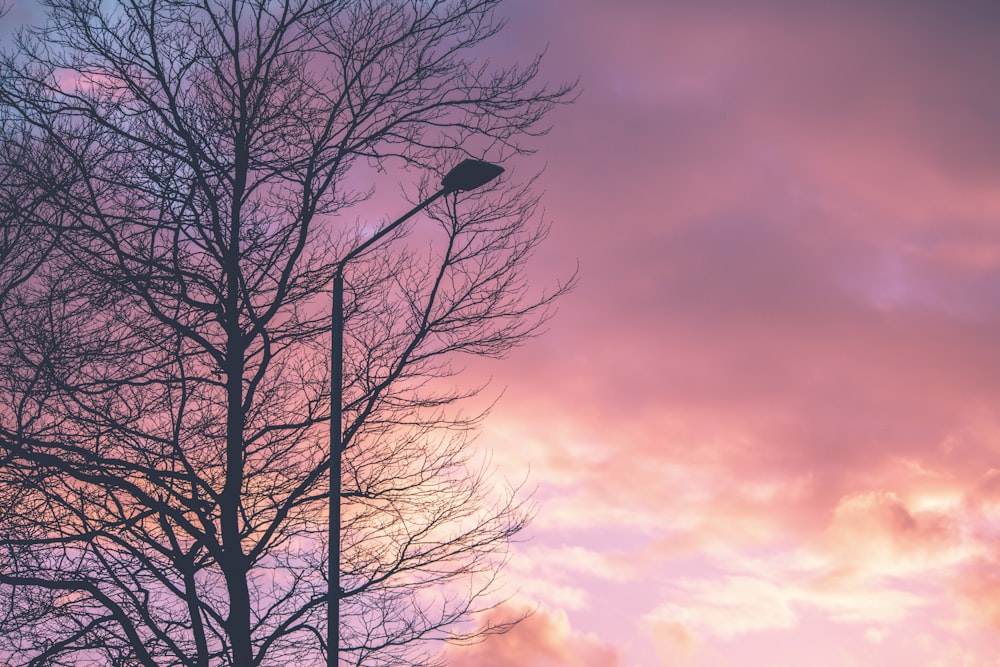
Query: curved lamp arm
pixel 466 175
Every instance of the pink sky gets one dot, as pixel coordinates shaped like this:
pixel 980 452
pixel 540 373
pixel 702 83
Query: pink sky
pixel 764 430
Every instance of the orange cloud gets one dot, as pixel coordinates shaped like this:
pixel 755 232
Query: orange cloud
pixel 543 639
pixel 876 531
pixel 978 588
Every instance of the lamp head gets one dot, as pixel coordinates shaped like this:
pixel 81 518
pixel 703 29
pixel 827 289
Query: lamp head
pixel 469 175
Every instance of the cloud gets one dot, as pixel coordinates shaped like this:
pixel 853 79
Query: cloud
pixel 985 495
pixel 885 564
pixel 782 353
pixel 704 616
pixel 543 639
pixel 876 533
pixel 722 607
pixel 564 577
pixel 875 635
pixel 977 586
pixel 781 257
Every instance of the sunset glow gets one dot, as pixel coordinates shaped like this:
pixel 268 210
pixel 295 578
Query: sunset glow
pixel 764 429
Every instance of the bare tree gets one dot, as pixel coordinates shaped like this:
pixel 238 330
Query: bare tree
pixel 173 186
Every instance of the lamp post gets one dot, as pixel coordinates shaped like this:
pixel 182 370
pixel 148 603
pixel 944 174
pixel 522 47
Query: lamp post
pixel 467 175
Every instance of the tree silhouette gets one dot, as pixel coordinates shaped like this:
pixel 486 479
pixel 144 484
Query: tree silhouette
pixel 173 189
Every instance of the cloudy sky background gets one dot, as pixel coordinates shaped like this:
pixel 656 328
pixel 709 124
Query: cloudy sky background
pixel 764 430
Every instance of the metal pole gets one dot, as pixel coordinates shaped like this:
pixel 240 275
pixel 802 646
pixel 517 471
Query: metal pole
pixel 468 175
pixel 336 449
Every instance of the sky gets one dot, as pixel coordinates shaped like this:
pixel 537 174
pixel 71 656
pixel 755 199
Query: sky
pixel 764 430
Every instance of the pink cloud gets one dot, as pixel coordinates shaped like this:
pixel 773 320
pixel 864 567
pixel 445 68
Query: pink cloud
pixel 783 348
pixel 977 586
pixel 770 409
pixel 877 530
pixel 543 639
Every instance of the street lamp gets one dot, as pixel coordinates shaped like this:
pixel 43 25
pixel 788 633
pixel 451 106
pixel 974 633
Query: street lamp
pixel 467 175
